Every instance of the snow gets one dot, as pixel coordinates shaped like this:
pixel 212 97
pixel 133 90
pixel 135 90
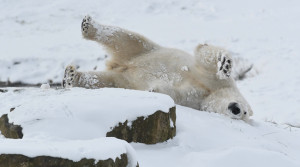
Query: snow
pixel 184 68
pixel 45 86
pixel 40 38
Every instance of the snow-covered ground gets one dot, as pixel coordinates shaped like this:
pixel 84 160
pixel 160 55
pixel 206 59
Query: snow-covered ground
pixel 39 38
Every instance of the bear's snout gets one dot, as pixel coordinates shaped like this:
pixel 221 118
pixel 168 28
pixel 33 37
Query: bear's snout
pixel 234 108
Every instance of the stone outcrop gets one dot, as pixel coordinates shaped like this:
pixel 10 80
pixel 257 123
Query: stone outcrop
pixel 10 130
pixel 18 160
pixel 158 127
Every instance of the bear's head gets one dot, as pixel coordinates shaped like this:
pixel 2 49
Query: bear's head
pixel 224 97
pixel 228 101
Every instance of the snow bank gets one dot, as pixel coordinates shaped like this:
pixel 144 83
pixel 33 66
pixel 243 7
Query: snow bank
pixel 78 113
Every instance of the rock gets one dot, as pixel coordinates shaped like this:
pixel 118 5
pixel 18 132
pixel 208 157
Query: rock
pixel 10 130
pixel 18 160
pixel 3 90
pixel 100 152
pixel 158 127
pixel 12 109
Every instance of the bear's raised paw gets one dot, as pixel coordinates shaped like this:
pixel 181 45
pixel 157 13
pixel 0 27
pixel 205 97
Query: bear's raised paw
pixel 224 66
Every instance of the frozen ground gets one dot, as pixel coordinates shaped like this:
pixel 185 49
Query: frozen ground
pixel 39 38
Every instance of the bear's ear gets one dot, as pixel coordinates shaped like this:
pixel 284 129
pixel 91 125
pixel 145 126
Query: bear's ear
pixel 199 47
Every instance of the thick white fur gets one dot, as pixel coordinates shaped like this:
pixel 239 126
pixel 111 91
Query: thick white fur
pixel 138 63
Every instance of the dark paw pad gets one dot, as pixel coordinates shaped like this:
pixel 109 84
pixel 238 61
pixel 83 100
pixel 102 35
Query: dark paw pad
pixel 224 66
pixel 69 76
pixel 86 22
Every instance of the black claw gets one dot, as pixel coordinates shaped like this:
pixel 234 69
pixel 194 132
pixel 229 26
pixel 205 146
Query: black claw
pixel 223 62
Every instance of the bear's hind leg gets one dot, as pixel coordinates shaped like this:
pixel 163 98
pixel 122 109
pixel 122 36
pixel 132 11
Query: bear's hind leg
pixel 120 43
pixel 93 80
pixel 69 76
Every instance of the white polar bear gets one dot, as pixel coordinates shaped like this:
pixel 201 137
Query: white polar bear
pixel 201 82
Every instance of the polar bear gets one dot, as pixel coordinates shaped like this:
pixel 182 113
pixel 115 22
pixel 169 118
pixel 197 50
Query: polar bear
pixel 202 81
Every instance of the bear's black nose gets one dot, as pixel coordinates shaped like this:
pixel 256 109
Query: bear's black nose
pixel 233 107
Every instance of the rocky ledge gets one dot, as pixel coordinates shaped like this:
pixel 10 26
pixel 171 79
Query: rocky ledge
pixel 18 160
pixel 155 128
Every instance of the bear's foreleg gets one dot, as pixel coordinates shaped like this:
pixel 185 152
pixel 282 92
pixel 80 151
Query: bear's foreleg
pixel 214 60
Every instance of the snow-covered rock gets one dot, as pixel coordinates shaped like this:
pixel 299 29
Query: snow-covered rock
pixel 70 126
pixel 85 114
pixel 101 152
